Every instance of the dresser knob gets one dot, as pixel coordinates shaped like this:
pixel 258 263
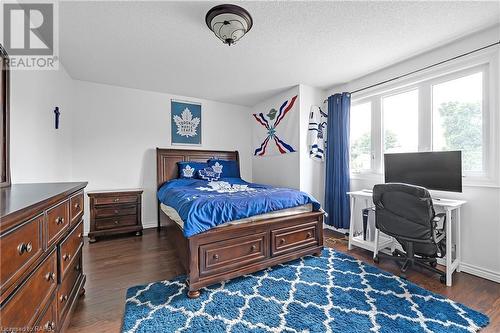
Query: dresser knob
pixel 116 211
pixel 282 241
pixel 59 220
pixel 77 205
pixel 116 200
pixel 253 248
pixel 77 268
pixel 63 298
pixel 116 222
pixel 309 235
pixel 216 257
pixel 50 326
pixel 22 248
pixel 66 256
pixel 50 276
pixel 80 235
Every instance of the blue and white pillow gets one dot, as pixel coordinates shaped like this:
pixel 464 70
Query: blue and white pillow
pixel 212 172
pixel 190 169
pixel 230 168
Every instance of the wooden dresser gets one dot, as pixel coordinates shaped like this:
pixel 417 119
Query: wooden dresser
pixel 115 212
pixel 41 239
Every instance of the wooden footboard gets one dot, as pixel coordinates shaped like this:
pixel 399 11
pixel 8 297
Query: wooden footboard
pixel 227 252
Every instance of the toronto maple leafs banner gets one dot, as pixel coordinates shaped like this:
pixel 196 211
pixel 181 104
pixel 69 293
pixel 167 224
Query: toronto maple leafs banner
pixel 276 130
pixel 185 122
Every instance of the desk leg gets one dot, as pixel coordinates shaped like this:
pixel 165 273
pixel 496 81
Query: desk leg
pixel 375 249
pixel 351 223
pixel 458 241
pixel 449 243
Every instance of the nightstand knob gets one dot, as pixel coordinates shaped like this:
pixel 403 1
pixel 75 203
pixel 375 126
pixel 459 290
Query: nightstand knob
pixel 282 241
pixel 253 248
pixel 309 235
pixel 116 222
pixel 216 257
pixel 116 200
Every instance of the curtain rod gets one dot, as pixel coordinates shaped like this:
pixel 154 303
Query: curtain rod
pixel 422 69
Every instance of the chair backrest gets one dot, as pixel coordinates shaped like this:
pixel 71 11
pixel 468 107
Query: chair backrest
pixel 404 211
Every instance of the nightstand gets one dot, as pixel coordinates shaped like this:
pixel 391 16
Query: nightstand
pixel 115 212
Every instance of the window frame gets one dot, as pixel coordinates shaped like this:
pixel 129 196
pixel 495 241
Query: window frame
pixel 486 62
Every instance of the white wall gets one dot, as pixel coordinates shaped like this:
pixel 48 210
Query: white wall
pixel 116 131
pixel 312 172
pixel 39 152
pixel 481 216
pixel 278 170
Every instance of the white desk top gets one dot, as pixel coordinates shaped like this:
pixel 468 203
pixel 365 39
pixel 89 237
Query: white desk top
pixel 437 202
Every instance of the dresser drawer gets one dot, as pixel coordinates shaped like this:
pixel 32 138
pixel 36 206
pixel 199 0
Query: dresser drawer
pixel 19 248
pixel 292 238
pixel 115 222
pixel 114 199
pixel 25 305
pixel 66 290
pixel 76 208
pixel 233 253
pixel 69 248
pixel 57 222
pixel 118 210
pixel 48 321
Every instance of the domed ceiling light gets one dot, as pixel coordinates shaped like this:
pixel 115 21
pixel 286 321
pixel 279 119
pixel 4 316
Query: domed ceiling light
pixel 229 22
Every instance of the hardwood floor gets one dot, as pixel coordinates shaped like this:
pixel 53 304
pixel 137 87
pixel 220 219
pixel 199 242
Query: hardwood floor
pixel 114 265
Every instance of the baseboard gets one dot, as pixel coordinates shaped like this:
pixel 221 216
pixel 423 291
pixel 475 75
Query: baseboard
pixel 145 225
pixel 342 231
pixel 475 270
pixel 481 272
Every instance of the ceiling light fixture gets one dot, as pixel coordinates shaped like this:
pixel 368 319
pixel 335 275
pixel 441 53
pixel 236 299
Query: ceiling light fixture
pixel 229 22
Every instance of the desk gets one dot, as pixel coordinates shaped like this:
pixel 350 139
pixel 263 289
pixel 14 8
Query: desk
pixel 450 207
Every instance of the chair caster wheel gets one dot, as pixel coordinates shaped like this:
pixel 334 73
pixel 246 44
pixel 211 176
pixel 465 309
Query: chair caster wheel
pixel 442 279
pixel 433 264
pixel 376 259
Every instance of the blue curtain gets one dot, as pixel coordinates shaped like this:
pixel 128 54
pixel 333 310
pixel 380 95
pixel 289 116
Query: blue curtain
pixel 337 161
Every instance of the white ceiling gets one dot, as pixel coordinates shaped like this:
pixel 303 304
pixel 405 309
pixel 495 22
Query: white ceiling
pixel 166 46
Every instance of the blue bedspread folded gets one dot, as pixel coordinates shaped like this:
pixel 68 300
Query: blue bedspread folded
pixel 203 205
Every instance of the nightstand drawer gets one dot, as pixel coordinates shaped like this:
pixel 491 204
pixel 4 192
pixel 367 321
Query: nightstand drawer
pixel 115 199
pixel 115 222
pixel 115 210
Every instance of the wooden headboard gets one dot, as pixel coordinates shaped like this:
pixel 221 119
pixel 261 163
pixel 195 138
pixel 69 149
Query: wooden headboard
pixel 166 160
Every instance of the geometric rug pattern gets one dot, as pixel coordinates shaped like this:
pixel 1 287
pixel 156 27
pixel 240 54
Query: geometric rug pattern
pixel 330 293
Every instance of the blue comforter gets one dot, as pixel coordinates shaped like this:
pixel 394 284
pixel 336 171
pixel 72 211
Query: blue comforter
pixel 203 205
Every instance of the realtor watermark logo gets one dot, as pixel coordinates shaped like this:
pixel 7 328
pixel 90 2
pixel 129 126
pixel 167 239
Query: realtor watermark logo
pixel 30 34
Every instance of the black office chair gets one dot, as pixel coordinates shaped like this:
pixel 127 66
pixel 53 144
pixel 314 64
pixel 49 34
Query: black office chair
pixel 406 213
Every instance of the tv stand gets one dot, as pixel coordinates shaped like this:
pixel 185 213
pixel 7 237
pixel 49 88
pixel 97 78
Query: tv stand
pixel 449 206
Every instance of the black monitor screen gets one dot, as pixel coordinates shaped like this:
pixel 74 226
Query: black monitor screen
pixel 433 170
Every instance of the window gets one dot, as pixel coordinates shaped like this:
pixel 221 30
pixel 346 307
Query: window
pixel 458 118
pixel 401 122
pixel 360 137
pixel 446 109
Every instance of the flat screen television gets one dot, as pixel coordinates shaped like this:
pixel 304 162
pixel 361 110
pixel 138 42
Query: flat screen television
pixel 433 170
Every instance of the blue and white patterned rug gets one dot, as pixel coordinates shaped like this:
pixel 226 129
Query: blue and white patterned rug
pixel 331 293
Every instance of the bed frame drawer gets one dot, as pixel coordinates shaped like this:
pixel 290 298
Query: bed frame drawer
pixel 292 238
pixel 233 253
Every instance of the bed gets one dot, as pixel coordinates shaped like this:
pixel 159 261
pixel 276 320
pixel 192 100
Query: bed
pixel 239 247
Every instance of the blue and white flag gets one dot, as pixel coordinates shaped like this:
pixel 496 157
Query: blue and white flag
pixel 317 133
